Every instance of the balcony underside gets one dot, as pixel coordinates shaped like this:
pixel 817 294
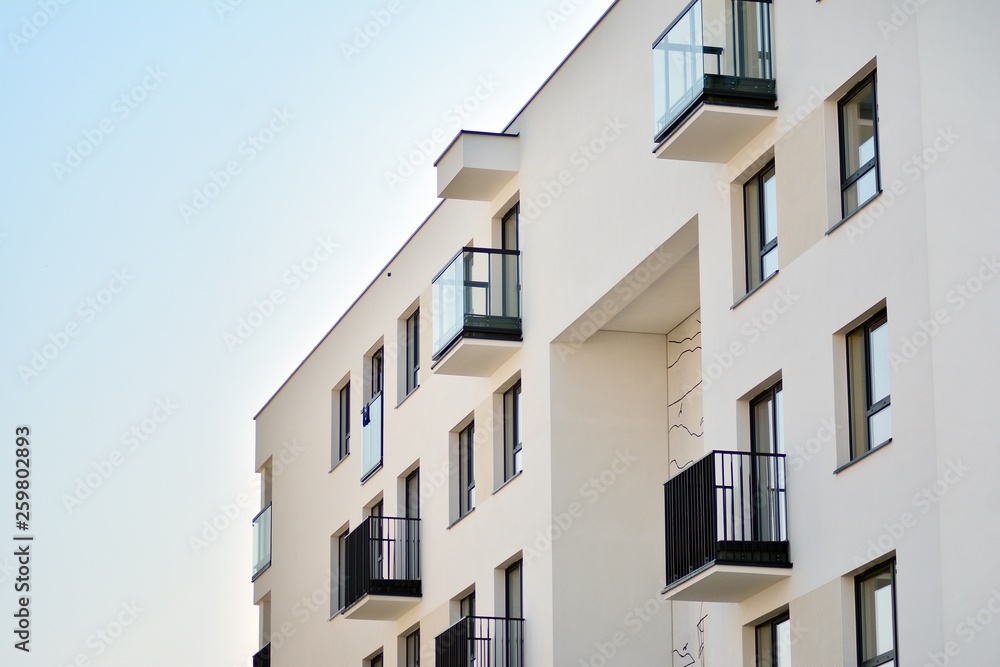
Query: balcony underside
pixel 741 570
pixel 386 600
pixel 718 123
pixel 484 345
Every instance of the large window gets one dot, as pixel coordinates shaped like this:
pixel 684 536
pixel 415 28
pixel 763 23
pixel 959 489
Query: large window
pixel 413 649
pixel 774 642
pixel 761 213
pixel 343 423
pixel 413 351
pixel 512 422
pixel 768 474
pixel 868 379
pixel 859 173
pixel 466 470
pixel 876 613
pixel 371 417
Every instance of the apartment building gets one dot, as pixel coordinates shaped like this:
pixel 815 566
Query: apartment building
pixel 692 365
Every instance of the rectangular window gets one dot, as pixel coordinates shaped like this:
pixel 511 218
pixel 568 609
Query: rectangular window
pixel 512 423
pixel 466 470
pixel 467 606
pixel 376 368
pixel 344 422
pixel 868 381
pixel 514 588
pixel 376 661
pixel 859 173
pixel 371 417
pixel 774 643
pixel 767 440
pixel 876 612
pixel 413 649
pixel 761 214
pixel 338 546
pixel 413 351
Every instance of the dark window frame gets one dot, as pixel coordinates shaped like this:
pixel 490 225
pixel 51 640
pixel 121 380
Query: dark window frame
pixel 412 646
pixel 771 627
pixel 466 469
pixel 755 245
pixel 413 352
pixel 848 180
pixel 512 437
pixel 467 606
pixel 344 422
pixel 871 408
pixel 377 661
pixel 893 654
pixel 517 566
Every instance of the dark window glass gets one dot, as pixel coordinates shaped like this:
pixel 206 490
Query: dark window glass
pixel 868 380
pixel 413 351
pixel 876 614
pixel 774 643
pixel 344 427
pixel 512 428
pixel 760 207
pixel 466 470
pixel 859 171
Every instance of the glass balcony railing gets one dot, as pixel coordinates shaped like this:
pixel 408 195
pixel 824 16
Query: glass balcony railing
pixel 717 52
pixel 261 541
pixel 478 295
pixel 371 436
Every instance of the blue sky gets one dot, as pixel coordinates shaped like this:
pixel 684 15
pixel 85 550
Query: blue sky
pixel 168 170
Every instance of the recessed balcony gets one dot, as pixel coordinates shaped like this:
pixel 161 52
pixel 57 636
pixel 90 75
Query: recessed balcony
pixel 713 85
pixel 261 542
pixel 382 569
pixel 726 530
pixel 477 312
pixel 481 641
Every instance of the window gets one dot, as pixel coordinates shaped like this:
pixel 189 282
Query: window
pixel 371 417
pixel 859 177
pixel 343 425
pixel 339 543
pixel 514 591
pixel 413 649
pixel 466 470
pixel 761 214
pixel 774 643
pixel 876 612
pixel 410 538
pixel 768 472
pixel 413 351
pixel 467 606
pixel 509 232
pixel 376 661
pixel 868 380
pixel 512 463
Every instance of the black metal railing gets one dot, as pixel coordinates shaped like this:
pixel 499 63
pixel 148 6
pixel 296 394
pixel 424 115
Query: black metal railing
pixel 729 508
pixel 481 641
pixel 382 558
pixel 478 294
pixel 263 657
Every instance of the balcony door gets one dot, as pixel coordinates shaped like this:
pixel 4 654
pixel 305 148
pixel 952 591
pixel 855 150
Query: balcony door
pixel 411 529
pixel 376 545
pixel 509 639
pixel 767 474
pixel 510 240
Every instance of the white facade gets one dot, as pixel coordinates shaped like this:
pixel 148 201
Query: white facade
pixel 642 351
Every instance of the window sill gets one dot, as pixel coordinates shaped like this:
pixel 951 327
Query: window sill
pixel 459 519
pixel 754 290
pixel 337 464
pixel 857 211
pixel 862 457
pixel 403 400
pixel 254 577
pixel 371 473
pixel 497 490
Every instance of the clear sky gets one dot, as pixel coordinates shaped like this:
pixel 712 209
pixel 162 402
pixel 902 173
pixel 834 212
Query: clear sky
pixel 166 170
